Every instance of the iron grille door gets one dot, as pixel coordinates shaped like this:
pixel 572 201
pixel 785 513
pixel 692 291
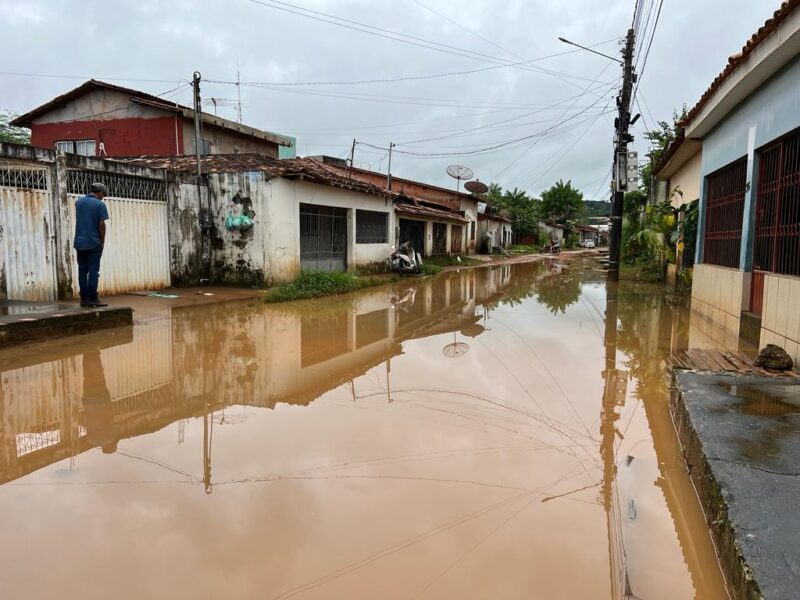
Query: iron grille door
pixel 323 238
pixel 776 244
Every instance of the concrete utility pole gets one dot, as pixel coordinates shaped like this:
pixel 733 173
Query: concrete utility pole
pixel 352 157
pixel 389 169
pixel 196 86
pixel 621 140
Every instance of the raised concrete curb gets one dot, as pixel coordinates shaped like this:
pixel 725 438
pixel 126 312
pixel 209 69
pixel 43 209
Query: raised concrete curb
pixel 742 451
pixel 28 322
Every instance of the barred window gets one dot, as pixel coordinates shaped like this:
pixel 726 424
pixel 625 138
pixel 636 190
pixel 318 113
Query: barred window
pixel 724 210
pixel 372 227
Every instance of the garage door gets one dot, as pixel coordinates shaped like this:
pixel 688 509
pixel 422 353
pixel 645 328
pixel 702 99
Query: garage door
pixel 323 238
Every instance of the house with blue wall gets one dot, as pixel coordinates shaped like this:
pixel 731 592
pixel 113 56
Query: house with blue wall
pixel 747 263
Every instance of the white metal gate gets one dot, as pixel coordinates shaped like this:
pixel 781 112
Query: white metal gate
pixel 136 253
pixel 27 235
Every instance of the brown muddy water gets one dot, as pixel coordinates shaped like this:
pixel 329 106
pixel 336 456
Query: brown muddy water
pixel 460 437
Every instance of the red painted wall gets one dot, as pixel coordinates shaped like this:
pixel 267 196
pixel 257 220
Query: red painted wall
pixel 123 137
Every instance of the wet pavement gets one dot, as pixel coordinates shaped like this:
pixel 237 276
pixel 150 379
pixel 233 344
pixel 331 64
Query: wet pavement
pixel 741 440
pixel 481 434
pixel 23 322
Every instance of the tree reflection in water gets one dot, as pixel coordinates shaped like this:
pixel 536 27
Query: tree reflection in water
pixel 559 288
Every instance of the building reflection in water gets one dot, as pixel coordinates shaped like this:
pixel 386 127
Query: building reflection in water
pixel 200 361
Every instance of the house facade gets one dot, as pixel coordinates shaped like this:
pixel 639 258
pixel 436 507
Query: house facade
pixel 446 221
pixel 747 263
pixel 102 119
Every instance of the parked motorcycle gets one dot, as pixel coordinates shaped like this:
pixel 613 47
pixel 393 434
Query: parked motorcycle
pixel 405 260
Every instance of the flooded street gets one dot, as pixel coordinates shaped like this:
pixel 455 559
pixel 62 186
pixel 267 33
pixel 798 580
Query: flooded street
pixel 457 437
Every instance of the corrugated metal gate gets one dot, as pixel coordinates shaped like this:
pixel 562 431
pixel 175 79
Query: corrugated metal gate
pixel 136 254
pixel 323 238
pixel 27 236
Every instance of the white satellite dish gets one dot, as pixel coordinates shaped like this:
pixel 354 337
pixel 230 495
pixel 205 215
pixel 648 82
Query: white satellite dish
pixel 459 172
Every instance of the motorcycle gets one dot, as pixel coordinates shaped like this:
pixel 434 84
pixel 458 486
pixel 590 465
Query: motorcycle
pixel 553 249
pixel 405 260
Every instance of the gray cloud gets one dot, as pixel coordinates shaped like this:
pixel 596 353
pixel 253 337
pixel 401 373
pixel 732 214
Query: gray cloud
pixel 167 40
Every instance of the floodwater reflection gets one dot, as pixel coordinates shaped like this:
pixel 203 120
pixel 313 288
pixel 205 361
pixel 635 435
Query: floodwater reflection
pixel 481 434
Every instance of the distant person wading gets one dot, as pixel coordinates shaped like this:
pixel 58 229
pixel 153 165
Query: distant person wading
pixel 91 215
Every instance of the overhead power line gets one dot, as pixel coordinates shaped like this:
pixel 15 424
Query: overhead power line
pixel 470 31
pixel 402 37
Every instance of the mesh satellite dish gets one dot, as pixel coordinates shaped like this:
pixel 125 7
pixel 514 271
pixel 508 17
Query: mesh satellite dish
pixel 459 172
pixel 476 187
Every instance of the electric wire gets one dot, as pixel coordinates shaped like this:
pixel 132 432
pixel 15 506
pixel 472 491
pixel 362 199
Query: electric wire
pixel 404 38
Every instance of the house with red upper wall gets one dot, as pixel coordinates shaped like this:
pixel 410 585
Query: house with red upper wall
pixel 102 119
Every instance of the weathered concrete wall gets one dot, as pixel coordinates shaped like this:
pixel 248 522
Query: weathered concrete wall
pixel 780 321
pixel 496 230
pixel 718 294
pixel 185 237
pixel 270 251
pixel 225 142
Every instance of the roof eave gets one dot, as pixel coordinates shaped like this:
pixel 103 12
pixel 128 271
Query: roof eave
pixel 736 83
pixel 679 157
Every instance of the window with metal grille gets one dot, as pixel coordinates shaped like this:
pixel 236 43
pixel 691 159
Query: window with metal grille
pixel 372 227
pixel 725 190
pixel 120 186
pixel 777 235
pixel 80 147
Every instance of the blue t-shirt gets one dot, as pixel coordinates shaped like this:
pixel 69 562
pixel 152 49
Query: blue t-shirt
pixel 89 212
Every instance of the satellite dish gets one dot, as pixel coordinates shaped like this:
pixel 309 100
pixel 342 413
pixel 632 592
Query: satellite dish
pixel 476 187
pixel 455 350
pixel 459 172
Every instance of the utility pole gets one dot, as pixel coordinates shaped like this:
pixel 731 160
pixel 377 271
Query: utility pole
pixel 238 95
pixel 352 157
pixel 621 140
pixel 197 104
pixel 389 170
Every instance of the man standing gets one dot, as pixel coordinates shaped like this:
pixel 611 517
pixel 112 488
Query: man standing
pixel 91 215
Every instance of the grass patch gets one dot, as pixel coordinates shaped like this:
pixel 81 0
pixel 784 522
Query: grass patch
pixel 316 284
pixel 429 269
pixel 524 249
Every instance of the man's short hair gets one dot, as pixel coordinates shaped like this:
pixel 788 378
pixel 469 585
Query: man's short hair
pixel 99 188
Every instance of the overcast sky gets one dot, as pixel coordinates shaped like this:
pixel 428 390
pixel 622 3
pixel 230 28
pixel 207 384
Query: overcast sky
pixel 559 106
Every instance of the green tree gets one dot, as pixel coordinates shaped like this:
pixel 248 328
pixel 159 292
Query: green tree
pixel 10 134
pixel 562 203
pixel 522 208
pixel 660 138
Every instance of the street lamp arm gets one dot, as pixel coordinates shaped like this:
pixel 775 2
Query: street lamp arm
pixel 589 50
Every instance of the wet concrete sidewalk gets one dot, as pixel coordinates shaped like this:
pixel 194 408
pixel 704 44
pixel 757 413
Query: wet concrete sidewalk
pixel 24 322
pixel 741 444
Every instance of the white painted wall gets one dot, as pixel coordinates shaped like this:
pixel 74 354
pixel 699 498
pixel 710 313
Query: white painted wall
pixel 687 178
pixel 271 249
